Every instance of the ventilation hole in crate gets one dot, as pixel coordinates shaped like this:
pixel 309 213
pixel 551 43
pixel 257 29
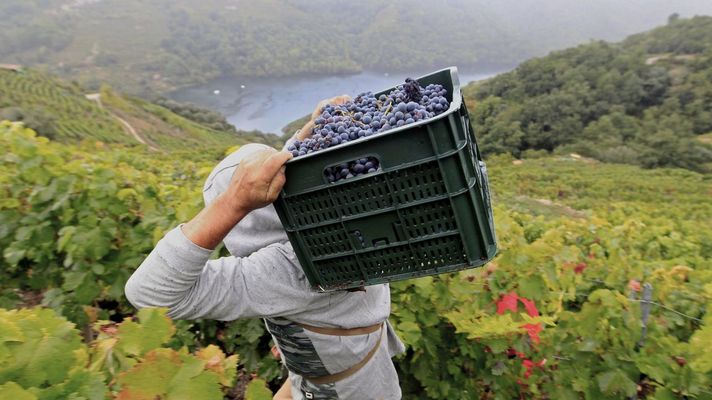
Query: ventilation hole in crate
pixel 387 262
pixel 413 183
pixel 361 196
pixel 326 240
pixel 339 270
pixel 428 219
pixel 395 260
pixel 311 208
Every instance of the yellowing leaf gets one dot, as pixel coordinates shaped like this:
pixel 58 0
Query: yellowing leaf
pixel 203 386
pixel 12 390
pixel 257 390
pixel 149 379
pixel 215 361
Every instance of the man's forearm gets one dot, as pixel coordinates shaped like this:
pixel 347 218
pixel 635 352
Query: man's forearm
pixel 213 223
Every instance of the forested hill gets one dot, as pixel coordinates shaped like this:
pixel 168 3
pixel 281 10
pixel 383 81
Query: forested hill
pixel 157 45
pixel 646 100
pixel 68 113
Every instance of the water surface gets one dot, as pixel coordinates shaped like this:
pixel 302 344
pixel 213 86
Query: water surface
pixel 268 104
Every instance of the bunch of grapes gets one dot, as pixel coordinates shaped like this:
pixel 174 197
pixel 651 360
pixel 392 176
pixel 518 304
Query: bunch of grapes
pixel 366 116
pixel 358 167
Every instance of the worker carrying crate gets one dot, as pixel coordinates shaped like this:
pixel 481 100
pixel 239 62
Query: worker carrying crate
pixel 315 265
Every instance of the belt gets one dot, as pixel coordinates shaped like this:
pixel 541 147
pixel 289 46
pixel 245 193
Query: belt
pixel 324 379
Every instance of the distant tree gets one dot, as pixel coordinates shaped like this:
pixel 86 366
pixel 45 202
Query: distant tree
pixel 605 101
pixel 35 118
pixel 674 17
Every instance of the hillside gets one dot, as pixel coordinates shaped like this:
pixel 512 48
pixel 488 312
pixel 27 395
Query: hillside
pixel 55 109
pixel 646 100
pixel 153 46
pixel 68 113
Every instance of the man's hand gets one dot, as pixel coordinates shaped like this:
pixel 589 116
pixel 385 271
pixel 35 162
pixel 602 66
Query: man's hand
pixel 256 183
pixel 306 131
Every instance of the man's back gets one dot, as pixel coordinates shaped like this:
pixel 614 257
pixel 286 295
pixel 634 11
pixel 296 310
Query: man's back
pixel 270 283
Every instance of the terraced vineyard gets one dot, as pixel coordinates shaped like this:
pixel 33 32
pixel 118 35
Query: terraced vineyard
pixel 62 112
pixel 70 115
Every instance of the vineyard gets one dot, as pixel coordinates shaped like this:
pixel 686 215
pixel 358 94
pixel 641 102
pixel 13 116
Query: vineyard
pixel 71 116
pixel 600 290
pixel 61 111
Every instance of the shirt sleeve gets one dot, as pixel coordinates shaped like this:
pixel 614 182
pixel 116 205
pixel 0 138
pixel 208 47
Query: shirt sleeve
pixel 178 275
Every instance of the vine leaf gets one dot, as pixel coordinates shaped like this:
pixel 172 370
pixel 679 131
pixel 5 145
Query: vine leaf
pixel 215 361
pixel 257 390
pixel 12 390
pixel 149 379
pixel 616 381
pixel 155 329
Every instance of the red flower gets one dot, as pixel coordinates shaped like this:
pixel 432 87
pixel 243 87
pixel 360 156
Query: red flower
pixel 529 366
pixel 533 331
pixel 530 307
pixel 580 267
pixel 512 353
pixel 507 302
pixel 634 285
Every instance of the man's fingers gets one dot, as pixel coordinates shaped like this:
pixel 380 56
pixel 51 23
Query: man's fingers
pixel 276 185
pixel 340 99
pixel 274 163
pixel 278 179
pixel 306 131
pixel 334 101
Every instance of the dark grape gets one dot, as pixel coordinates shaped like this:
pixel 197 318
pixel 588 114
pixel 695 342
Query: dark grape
pixel 366 116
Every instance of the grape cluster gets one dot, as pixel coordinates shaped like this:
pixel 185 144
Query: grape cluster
pixel 367 115
pixel 358 167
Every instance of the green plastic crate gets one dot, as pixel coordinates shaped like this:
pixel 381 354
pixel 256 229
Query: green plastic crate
pixel 425 211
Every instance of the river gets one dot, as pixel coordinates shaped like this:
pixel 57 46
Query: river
pixel 268 104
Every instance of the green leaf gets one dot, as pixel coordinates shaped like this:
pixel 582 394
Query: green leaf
pixel 73 279
pixel 12 390
pixel 13 255
pixel 65 236
pixel 410 332
pixel 87 291
pixel 499 368
pixel 662 393
pixel 532 287
pixel 45 353
pixel 154 330
pixel 257 390
pixel 699 344
pixel 80 384
pixel 203 386
pixel 616 382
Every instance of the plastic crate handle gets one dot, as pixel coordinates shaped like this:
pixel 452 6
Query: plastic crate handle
pixel 325 172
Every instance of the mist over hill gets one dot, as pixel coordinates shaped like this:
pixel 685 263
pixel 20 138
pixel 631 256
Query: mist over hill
pixel 159 45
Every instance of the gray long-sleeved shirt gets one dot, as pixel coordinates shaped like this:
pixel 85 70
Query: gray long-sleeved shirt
pixel 271 284
pixel 263 278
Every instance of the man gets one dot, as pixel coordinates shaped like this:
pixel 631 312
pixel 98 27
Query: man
pixel 335 345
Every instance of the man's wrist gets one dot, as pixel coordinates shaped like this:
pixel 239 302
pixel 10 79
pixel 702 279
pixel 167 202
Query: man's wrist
pixel 231 207
pixel 213 223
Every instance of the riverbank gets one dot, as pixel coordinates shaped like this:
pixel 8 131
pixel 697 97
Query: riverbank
pixel 268 104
